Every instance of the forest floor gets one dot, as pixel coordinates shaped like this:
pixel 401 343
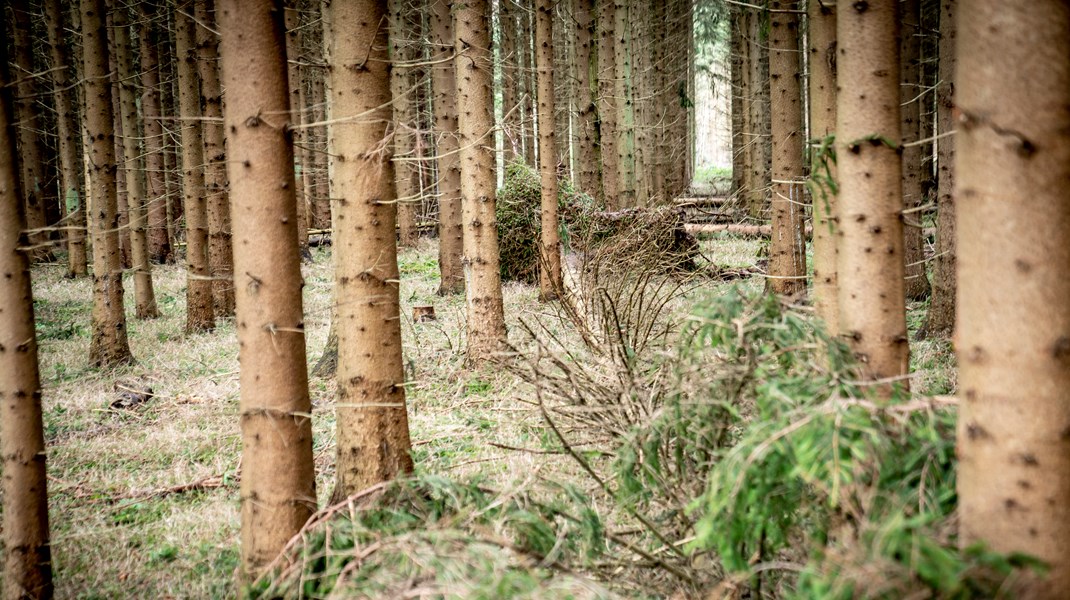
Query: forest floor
pixel 144 501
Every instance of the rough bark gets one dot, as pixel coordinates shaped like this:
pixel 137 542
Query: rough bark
pixel 916 285
pixel 761 144
pixel 625 105
pixel 293 55
pixel 474 72
pixel 586 118
pixel 822 40
pixel 870 235
pixel 27 557
pixel 108 346
pixel 1013 329
pixel 155 184
pixel 510 56
pixel 405 121
pixel 550 248
pixel 373 432
pixel 68 140
pixel 607 104
pixel 215 169
pixel 526 76
pixel 278 492
pixel 787 248
pixel 200 309
pixel 941 317
pixel 450 227
pixel 144 294
pixel 121 192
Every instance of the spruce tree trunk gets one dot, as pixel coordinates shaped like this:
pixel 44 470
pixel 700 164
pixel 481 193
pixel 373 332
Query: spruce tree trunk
pixel 405 121
pixel 822 39
pixel 749 141
pixel 215 170
pixel 941 317
pixel 278 481
pixel 526 74
pixel 373 431
pixel 122 193
pixel 27 556
pixel 155 178
pixel 512 135
pixel 200 309
pixel 144 294
pixel 916 285
pixel 787 248
pixel 1012 90
pixel 586 119
pixel 607 104
pixel 870 232
pixel 474 72
pixel 444 84
pixel 550 250
pixel 625 106
pixel 736 50
pixel 108 347
pixel 293 56
pixel 761 144
pixel 68 140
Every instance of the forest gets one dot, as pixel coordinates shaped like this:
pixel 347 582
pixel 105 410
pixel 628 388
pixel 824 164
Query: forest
pixel 683 299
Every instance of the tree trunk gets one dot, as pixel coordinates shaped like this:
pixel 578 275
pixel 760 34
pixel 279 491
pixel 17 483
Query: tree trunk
pixel 586 119
pixel 509 48
pixel 278 489
pixel 526 75
pixel 155 184
pixel 787 248
pixel 144 294
pixel 872 307
pixel 607 104
pixel 941 317
pixel 373 430
pixel 27 555
pixel 215 171
pixel 121 192
pixel 108 347
pixel 450 227
pixel 200 309
pixel 474 72
pixel 293 56
pixel 405 121
pixel 550 251
pixel 622 54
pixel 822 38
pixel 1013 329
pixel 68 140
pixel 562 86
pixel 916 285
pixel 761 144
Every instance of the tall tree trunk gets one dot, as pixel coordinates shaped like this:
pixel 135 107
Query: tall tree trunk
pixel 916 285
pixel 109 346
pixel 28 125
pixel 474 72
pixel 823 177
pixel 870 232
pixel 941 317
pixel 450 224
pixel 622 54
pixel 144 294
pixel 607 104
pixel 586 119
pixel 151 110
pixel 550 250
pixel 373 430
pixel 27 555
pixel 278 488
pixel 787 248
pixel 293 56
pixel 122 193
pixel 405 120
pixel 200 309
pixel 1013 328
pixel 737 58
pixel 509 47
pixel 68 141
pixel 761 143
pixel 562 86
pixel 526 74
pixel 215 171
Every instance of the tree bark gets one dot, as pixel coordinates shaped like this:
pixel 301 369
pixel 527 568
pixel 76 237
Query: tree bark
pixel 787 248
pixel 278 492
pixel 823 177
pixel 474 72
pixel 916 284
pixel 607 104
pixel 450 223
pixel 155 183
pixel 550 250
pixel 512 135
pixel 625 106
pixel 870 235
pixel 405 121
pixel 373 431
pixel 27 555
pixel 586 120
pixel 1013 329
pixel 526 75
pixel 200 309
pixel 108 347
pixel 761 145
pixel 293 56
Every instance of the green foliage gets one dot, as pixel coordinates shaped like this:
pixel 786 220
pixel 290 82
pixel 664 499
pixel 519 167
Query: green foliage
pixel 60 320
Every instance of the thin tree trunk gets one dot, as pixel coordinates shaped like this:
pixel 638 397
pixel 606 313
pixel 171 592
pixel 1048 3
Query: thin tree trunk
pixel 607 104
pixel 155 184
pixel 737 49
pixel 526 74
pixel 373 431
pixel 510 55
pixel 450 227
pixel 27 555
pixel 144 294
pixel 1012 90
pixel 586 120
pixel 200 309
pixel 121 192
pixel 278 489
pixel 822 39
pixel 787 248
pixel 474 72
pixel 68 140
pixel 215 171
pixel 405 121
pixel 941 317
pixel 916 285
pixel 761 144
pixel 293 55
pixel 550 251
pixel 622 54
pixel 870 232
